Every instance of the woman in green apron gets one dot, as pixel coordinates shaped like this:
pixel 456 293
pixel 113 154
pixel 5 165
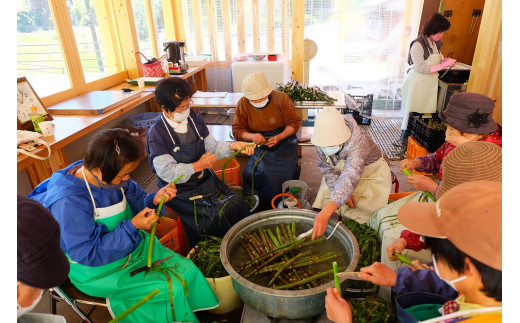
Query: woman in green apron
pixel 102 214
pixel 356 179
pixel 419 90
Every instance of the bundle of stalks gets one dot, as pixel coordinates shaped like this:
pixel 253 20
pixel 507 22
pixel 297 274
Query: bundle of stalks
pixel 279 256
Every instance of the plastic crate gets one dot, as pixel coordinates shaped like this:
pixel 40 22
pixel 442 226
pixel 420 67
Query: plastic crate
pixel 365 105
pixel 430 139
pixel 168 234
pixel 143 120
pixel 415 150
pixel 231 174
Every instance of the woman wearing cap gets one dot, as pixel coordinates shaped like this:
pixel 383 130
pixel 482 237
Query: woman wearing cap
pixel 41 264
pixel 419 90
pixel 102 215
pixel 267 117
pixel 466 283
pixel 471 161
pixel 179 143
pixel 469 118
pixel 356 179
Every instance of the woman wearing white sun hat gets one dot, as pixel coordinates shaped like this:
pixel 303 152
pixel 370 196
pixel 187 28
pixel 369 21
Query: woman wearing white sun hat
pixel 356 179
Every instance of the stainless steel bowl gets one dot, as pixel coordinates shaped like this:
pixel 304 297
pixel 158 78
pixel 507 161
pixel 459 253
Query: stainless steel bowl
pixel 287 304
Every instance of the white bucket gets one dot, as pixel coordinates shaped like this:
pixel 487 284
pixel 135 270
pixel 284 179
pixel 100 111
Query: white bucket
pixel 223 289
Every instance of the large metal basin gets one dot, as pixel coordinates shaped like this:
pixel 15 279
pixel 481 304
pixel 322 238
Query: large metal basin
pixel 287 304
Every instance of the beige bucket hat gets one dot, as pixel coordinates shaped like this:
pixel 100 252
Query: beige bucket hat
pixel 330 128
pixel 255 86
pixel 471 161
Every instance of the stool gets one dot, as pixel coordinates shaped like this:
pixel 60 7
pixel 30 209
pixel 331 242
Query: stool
pixel 396 181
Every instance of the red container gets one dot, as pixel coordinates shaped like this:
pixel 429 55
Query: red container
pixel 272 57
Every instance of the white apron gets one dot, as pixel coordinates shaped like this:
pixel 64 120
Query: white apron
pixel 419 90
pixel 371 193
pixel 389 229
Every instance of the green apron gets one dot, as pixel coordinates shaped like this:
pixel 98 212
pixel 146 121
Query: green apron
pixel 182 283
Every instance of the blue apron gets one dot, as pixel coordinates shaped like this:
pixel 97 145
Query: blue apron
pixel 279 164
pixel 219 208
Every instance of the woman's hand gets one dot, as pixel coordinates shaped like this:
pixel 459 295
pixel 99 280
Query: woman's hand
pixel 321 221
pixel 144 219
pixel 416 264
pixel 167 191
pixel 258 138
pixel 351 202
pixel 237 145
pixel 273 141
pixel 398 246
pixel 338 309
pixel 422 183
pixel 206 161
pixel 409 164
pixel 449 62
pixel 379 274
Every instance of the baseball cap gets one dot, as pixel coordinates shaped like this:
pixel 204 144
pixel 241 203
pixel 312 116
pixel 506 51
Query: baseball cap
pixel 469 215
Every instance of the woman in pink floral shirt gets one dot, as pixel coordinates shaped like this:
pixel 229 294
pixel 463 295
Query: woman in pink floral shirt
pixel 469 118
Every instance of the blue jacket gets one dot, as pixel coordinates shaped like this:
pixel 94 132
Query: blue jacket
pixel 85 241
pixel 423 280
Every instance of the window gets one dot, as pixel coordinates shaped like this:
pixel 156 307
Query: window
pixel 39 54
pixel 364 51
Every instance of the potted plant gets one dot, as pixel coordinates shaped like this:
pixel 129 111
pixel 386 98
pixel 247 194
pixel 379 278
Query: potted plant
pixel 206 256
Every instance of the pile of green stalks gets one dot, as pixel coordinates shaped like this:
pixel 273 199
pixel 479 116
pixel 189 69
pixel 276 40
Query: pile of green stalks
pixel 299 93
pixel 369 251
pixel 374 309
pixel 207 257
pixel 279 257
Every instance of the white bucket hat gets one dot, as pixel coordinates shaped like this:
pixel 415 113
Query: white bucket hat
pixel 330 128
pixel 255 86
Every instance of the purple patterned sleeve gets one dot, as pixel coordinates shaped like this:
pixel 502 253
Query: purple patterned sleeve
pixel 429 164
pixel 355 153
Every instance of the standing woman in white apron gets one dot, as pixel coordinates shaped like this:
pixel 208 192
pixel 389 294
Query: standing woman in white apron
pixel 356 179
pixel 419 90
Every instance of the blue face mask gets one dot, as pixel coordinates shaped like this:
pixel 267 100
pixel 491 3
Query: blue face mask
pixel 330 150
pixel 109 186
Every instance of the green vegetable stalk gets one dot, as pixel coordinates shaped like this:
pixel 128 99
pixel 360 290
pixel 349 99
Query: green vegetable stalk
pixel 135 306
pixel 337 283
pixel 430 195
pixel 230 158
pixel 152 233
pixel 403 259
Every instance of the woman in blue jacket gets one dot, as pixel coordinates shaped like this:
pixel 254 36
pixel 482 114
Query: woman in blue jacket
pixel 102 215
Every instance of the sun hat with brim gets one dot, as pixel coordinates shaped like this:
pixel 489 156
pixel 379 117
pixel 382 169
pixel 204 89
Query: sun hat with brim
pixel 469 215
pixel 41 263
pixel 471 161
pixel 255 86
pixel 470 113
pixel 330 128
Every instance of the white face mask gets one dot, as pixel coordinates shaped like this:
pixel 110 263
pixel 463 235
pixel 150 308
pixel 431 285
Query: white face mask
pixel 23 310
pixel 180 117
pixel 330 150
pixel 260 104
pixel 449 282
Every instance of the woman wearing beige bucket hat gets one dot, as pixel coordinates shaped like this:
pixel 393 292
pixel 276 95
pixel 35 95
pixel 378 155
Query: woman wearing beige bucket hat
pixel 267 117
pixel 356 179
pixel 469 118
pixel 471 161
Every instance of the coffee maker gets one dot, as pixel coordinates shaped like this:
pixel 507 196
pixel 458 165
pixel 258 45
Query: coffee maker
pixel 175 53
